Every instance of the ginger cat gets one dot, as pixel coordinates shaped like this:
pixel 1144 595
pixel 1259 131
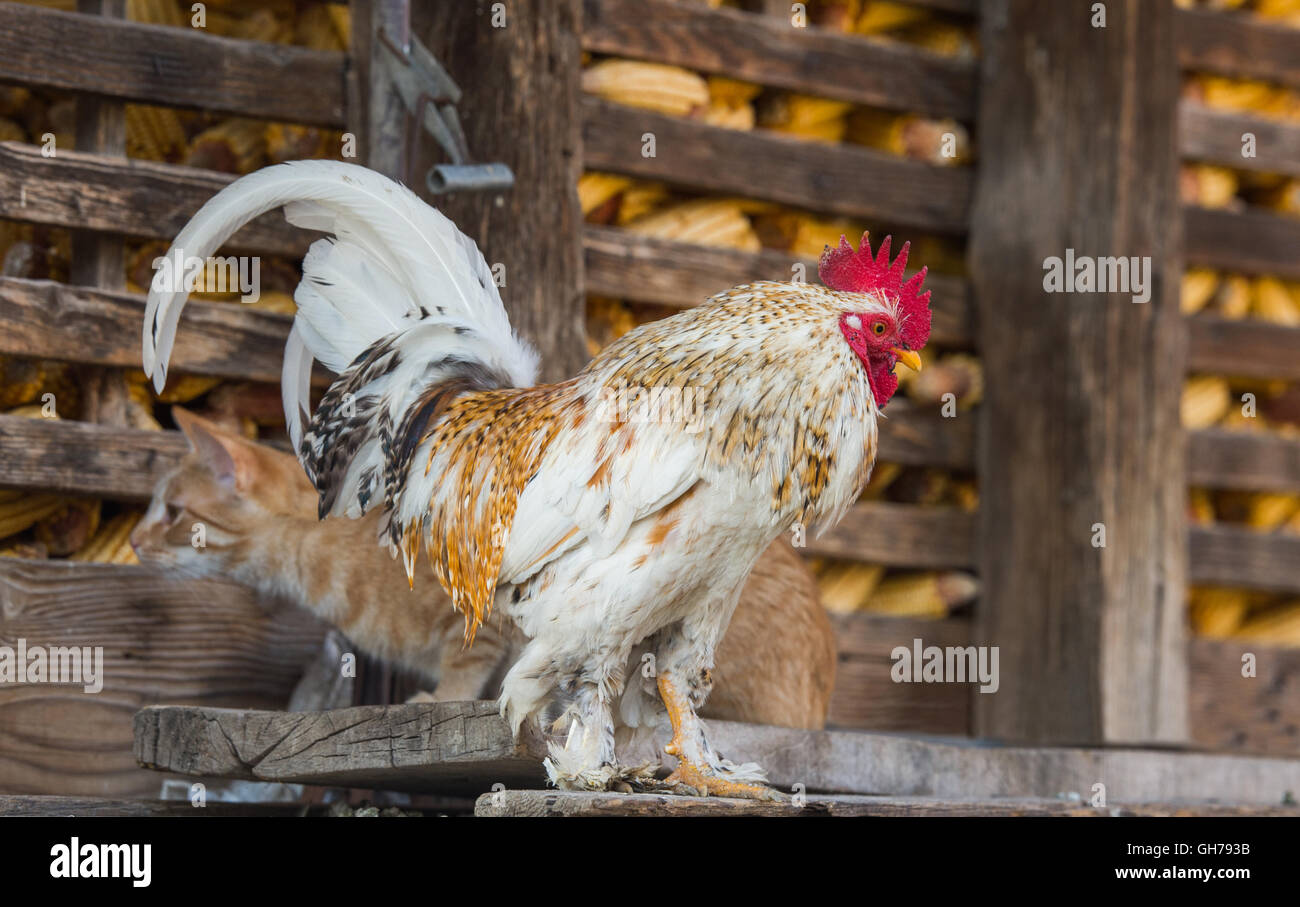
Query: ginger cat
pixel 776 664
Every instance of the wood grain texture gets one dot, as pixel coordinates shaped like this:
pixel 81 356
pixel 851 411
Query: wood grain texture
pixel 466 746
pixel 176 67
pixel 165 639
pixel 1215 137
pixel 769 50
pixel 912 435
pixel 49 320
pixel 1247 349
pixel 519 107
pixel 1259 714
pixel 645 269
pixel 1253 241
pixel 901 535
pixel 137 198
pixel 835 179
pixel 1237 45
pixel 46 805
pixel 1235 556
pixel 1254 462
pixel 549 803
pixel 83 458
pixel 1081 398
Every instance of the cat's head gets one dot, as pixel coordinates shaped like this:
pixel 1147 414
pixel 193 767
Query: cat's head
pixel 226 494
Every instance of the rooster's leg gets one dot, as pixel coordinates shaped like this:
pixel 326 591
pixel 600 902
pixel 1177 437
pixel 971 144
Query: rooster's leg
pixel 698 766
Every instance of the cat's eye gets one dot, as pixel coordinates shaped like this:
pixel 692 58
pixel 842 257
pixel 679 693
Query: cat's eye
pixel 174 512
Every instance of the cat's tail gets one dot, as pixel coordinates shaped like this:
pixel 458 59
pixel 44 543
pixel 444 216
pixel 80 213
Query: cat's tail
pixel 396 294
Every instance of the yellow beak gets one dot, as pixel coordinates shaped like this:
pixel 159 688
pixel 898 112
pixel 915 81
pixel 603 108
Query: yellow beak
pixel 907 358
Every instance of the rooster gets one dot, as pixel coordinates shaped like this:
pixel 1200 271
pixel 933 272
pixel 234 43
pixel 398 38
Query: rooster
pixel 617 540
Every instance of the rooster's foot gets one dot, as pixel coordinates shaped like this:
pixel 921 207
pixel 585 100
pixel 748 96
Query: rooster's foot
pixel 706 781
pixel 607 777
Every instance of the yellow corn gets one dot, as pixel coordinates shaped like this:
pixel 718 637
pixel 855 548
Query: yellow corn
pixel 845 588
pixel 966 495
pixel 156 12
pixel 1200 507
pixel 1274 303
pixel 69 527
pixel 595 189
pixel 289 142
pixel 729 116
pixel 803 116
pixel 1208 186
pixel 1278 626
pixel 706 222
pixel 640 199
pixel 232 146
pixel 1206 400
pixel 25 511
pixel 922 594
pixel 880 16
pixel 106 544
pixel 154 133
pixel 1217 612
pixel 342 20
pixel 314 28
pixel 273 301
pixel 184 388
pixel 1232 300
pixel 1284 197
pixel 882 475
pixel 1197 289
pixel 724 90
pixel 938 37
pixel 607 320
pixel 653 86
pixel 1268 510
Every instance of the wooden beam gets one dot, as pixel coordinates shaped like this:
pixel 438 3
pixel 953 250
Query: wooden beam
pixel 901 535
pixel 83 458
pixel 165 638
pixel 1215 137
pixel 48 320
pixel 1237 45
pixel 771 51
pixel 1255 714
pixel 835 179
pixel 137 198
pixel 455 747
pixel 1235 556
pixel 1251 462
pixel 551 803
pixel 1246 348
pixel 63 807
pixel 176 67
pixel 641 268
pixel 520 107
pixel 1081 396
pixel 1254 241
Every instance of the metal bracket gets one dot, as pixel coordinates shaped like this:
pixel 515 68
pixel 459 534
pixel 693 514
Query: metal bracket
pixel 430 95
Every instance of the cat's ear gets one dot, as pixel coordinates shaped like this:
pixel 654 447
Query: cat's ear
pixel 227 455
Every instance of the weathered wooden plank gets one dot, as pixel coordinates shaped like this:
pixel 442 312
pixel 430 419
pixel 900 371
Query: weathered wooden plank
pixel 458 747
pixel 1237 45
pixel 39 805
pixel 1253 241
pixel 137 198
pixel 454 747
pixel 1256 714
pixel 901 535
pixel 49 320
pixel 178 67
pixel 645 269
pixel 866 696
pixel 539 803
pixel 1248 349
pixel 1215 136
pixel 165 638
pixel 913 436
pixel 522 81
pixel 771 51
pixel 1255 462
pixel 835 179
pixel 1080 412
pixel 84 458
pixel 1234 556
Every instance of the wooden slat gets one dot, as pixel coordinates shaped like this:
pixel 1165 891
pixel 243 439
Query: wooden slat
pixel 1256 714
pixel 64 807
pixel 83 458
pixel 914 437
pixel 623 264
pixel 1234 556
pixel 138 198
pixel 165 637
pixel 1255 462
pixel 47 320
pixel 1257 242
pixel 178 67
pixel 1214 136
pixel 835 179
pixel 770 51
pixel 1238 45
pixel 550 803
pixel 901 535
pixel 460 746
pixel 1247 348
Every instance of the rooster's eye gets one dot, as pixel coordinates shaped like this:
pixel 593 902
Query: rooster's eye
pixel 879 328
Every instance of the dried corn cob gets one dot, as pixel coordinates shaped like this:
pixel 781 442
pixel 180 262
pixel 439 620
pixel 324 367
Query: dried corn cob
pixel 943 38
pixel 640 199
pixel 27 550
pixel 314 28
pixel 845 588
pixel 233 146
pixel 23 512
pixel 154 133
pixel 1200 507
pixel 940 142
pixel 922 594
pixel 1208 186
pixel 11 131
pixel 1232 300
pixel 724 90
pixel 653 86
pixel 965 494
pixel 1284 197
pixel 156 12
pixel 107 543
pixel 70 527
pixel 596 189
pixel 264 25
pixel 341 18
pixel 729 116
pixel 882 476
pixel 803 234
pixel 804 116
pixel 607 320
pixel 1217 612
pixel 1206 400
pixel 1273 302
pixel 1278 626
pixel 879 16
pixel 1197 289
pixel 273 301
pixel 184 388
pixel 287 142
pixel 1267 511
pixel 706 222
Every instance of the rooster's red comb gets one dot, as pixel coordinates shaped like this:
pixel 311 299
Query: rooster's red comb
pixel 852 271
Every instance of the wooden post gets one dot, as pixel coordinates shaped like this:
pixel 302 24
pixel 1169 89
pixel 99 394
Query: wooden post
pixel 1080 431
pixel 518 67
